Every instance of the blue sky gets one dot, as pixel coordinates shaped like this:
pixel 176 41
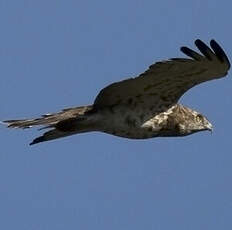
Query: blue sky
pixel 57 54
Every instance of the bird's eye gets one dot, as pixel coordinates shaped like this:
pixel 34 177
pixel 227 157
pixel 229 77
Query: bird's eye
pixel 199 117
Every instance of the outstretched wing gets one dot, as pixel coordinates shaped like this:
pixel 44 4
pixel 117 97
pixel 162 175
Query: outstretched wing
pixel 165 82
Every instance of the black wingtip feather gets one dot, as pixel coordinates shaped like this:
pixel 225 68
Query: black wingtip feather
pixel 191 53
pixel 38 140
pixel 219 52
pixel 205 50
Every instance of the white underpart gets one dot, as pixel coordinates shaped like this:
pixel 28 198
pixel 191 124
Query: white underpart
pixel 159 119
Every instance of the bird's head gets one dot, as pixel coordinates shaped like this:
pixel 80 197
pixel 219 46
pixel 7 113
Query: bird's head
pixel 200 123
pixel 184 121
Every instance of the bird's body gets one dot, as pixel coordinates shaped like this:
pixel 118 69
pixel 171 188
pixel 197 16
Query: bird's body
pixel 136 123
pixel 142 107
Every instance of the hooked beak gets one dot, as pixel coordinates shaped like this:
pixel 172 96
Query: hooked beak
pixel 209 127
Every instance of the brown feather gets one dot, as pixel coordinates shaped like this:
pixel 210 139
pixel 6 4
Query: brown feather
pixel 50 119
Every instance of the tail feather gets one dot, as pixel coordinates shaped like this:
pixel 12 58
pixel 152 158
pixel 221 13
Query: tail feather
pixel 49 120
pixel 64 123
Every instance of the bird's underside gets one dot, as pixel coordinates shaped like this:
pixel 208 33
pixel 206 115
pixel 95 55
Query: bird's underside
pixel 141 107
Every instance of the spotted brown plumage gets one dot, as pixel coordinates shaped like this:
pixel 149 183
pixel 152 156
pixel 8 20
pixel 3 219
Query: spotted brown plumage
pixel 145 106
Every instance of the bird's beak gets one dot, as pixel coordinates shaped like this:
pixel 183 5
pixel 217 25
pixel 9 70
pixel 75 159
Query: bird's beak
pixel 210 127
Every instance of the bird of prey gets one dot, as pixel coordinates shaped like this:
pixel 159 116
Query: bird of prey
pixel 142 107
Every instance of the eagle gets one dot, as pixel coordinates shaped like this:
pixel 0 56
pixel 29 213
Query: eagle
pixel 142 107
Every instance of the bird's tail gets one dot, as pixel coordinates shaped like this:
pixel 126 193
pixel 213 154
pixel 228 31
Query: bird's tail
pixel 64 123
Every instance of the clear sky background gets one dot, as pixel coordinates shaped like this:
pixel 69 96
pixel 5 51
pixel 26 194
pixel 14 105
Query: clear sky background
pixel 56 54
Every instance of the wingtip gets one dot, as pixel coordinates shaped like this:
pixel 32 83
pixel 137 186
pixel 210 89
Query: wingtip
pixel 38 140
pixel 191 53
pixel 197 41
pixel 212 40
pixel 213 43
pixel 219 52
pixel 204 49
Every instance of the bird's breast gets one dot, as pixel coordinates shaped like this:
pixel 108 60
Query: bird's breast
pixel 130 123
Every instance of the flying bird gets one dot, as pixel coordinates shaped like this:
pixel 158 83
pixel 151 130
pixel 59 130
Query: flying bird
pixel 142 107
